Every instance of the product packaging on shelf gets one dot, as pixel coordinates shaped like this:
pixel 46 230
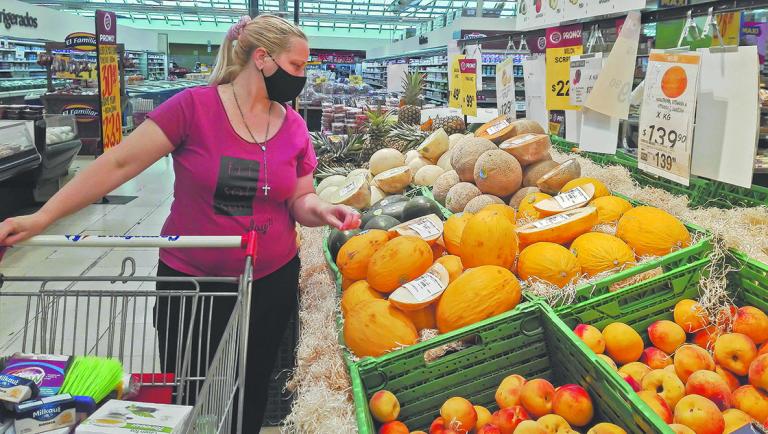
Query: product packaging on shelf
pixel 47 371
pixel 117 417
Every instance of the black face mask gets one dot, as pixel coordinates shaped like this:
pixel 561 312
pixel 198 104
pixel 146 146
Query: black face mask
pixel 282 86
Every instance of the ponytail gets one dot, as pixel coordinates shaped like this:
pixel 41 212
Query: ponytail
pixel 226 68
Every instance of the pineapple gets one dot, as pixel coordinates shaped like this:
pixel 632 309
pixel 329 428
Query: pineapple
pixel 410 111
pixel 451 124
pixel 337 150
pixel 378 127
pixel 405 137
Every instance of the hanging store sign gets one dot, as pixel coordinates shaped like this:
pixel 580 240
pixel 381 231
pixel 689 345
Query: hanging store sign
pixel 109 80
pixel 455 82
pixel 9 19
pixel 81 112
pixel 81 41
pixel 584 71
pixel 562 43
pixel 505 88
pixel 468 97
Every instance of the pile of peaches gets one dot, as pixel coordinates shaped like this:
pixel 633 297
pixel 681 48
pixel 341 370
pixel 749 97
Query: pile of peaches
pixel 701 375
pixel 526 407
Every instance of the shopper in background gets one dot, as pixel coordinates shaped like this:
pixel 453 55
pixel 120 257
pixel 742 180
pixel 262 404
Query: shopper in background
pixel 241 159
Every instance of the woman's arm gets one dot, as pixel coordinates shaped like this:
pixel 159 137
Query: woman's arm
pixel 309 210
pixel 139 150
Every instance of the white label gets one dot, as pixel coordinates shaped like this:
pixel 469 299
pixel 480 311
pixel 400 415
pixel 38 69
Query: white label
pixel 505 89
pixel 425 227
pixel 570 198
pixel 666 116
pixel 498 127
pixel 424 287
pixel 584 72
pixel 551 221
pixel 523 139
pixel 348 188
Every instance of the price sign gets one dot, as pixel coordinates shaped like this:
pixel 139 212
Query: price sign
pixel 584 71
pixel 109 79
pixel 570 198
pixel 425 287
pixel 425 228
pixel 468 96
pixel 551 221
pixel 505 89
pixel 455 82
pixel 562 43
pixel 667 114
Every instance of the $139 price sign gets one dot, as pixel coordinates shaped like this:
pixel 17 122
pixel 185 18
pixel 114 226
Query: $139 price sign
pixel 505 89
pixel 667 114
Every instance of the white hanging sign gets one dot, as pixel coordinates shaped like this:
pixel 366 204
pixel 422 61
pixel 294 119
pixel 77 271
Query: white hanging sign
pixel 505 88
pixel 534 73
pixel 583 74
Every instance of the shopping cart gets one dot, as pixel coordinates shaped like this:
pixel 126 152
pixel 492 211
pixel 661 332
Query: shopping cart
pixel 64 315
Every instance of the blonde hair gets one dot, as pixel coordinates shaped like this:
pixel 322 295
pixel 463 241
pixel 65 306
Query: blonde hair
pixel 266 31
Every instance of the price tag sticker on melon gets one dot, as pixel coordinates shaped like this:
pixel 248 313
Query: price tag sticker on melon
pixel 570 198
pixel 425 228
pixel 523 139
pixel 493 129
pixel 424 287
pixel 551 221
pixel 348 188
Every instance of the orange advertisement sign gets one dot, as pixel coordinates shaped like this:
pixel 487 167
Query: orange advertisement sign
pixel 109 80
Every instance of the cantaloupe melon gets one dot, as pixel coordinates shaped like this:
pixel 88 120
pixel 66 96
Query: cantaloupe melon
pixel 452 230
pixel 527 126
pixel 362 172
pixel 445 161
pixel 479 293
pixel 385 159
pixel 399 261
pixel 427 175
pixel 453 265
pixel 527 208
pixel 600 188
pixel 598 252
pixel 357 292
pixel 528 148
pixel 354 192
pixel 429 228
pixel 453 139
pixel 610 208
pixel 549 262
pixel 497 130
pixel 576 197
pixel 480 202
pixel 434 146
pixel 560 228
pixel 443 184
pixel 418 163
pixel 329 193
pixel 516 198
pixel 488 238
pixel 554 180
pixel 423 318
pixel 459 196
pixel 535 171
pixel 377 194
pixel 329 181
pixel 422 291
pixel 393 180
pixel 356 253
pixel 411 155
pixel 651 231
pixel 497 173
pixel 465 155
pixel 376 327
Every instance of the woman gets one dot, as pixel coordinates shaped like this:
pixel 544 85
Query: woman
pixel 242 159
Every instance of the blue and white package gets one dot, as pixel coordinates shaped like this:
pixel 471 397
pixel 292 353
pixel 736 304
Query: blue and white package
pixel 44 414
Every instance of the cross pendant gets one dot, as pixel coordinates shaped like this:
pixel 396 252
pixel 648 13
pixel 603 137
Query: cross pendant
pixel 266 189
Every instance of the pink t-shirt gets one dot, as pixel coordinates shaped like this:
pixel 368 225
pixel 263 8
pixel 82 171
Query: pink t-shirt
pixel 219 179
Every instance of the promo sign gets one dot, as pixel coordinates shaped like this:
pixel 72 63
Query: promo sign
pixel 109 79
pixel 505 88
pixel 455 82
pixel 468 68
pixel 583 74
pixel 562 43
pixel 667 115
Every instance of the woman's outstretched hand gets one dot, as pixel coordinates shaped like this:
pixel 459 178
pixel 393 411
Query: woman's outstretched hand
pixel 17 229
pixel 340 217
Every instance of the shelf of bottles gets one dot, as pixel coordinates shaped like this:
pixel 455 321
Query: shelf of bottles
pixel 157 66
pixel 18 58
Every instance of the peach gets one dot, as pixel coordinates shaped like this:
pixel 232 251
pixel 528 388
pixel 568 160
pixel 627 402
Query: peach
pixel 529 427
pixel 731 380
pixel 459 414
pixel 671 368
pixel 507 419
pixel 735 419
pixel 622 343
pixel 680 429
pixel 418 432
pixel 725 316
pixel 536 397
pixel 483 416
pixel 437 426
pixel 606 428
pixel 691 358
pixel 690 315
pixel 758 373
pixel 508 392
pixel 608 361
pixel 752 322
pixel 666 335
pixel 735 352
pixel 635 370
pixel 574 404
pixel 657 404
pixel 666 384
pixel 655 358
pixel 751 401
pixel 699 414
pixel 489 429
pixel 591 336
pixel 394 427
pixel 763 349
pixel 711 386
pixel 706 337
pixel 384 406
pixel 634 384
pixel 553 423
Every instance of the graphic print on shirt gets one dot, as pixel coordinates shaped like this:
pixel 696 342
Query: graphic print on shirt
pixel 236 187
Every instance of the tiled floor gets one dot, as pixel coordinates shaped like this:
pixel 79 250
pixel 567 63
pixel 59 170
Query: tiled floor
pixel 91 322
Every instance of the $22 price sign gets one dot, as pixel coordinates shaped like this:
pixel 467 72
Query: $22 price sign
pixel 667 114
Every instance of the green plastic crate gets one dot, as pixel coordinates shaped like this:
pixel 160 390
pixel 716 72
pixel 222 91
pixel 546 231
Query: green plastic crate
pixel 529 341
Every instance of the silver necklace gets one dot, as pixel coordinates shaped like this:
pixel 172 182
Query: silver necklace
pixel 263 144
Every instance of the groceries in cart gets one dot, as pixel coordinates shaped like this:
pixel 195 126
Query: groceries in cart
pixel 41 393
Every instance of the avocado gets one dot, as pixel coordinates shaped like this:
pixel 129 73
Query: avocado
pixel 419 207
pixel 338 238
pixel 383 222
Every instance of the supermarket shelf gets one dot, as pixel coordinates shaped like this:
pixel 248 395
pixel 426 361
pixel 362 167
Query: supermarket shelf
pixel 428 64
pixel 441 71
pixel 435 99
pixel 436 90
pixel 437 81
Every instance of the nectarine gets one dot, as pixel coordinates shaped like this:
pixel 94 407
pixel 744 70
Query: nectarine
pixel 634 384
pixel 437 426
pixel 699 414
pixel 666 384
pixel 394 427
pixel 591 336
pixel 384 406
pixel 536 397
pixel 489 429
pixel 606 428
pixel 731 380
pixel 690 358
pixel 680 429
pixel 751 401
pixel 608 361
pixel 574 404
pixel 655 358
pixel 735 419
pixel 758 373
pixel 752 322
pixel 706 337
pixel 690 315
pixel 507 419
pixel 459 414
pixel 508 392
pixel 553 423
pixel 711 386
pixel 529 427
pixel 666 335
pixel 735 352
pixel 483 416
pixel 635 370
pixel 622 343
pixel 657 404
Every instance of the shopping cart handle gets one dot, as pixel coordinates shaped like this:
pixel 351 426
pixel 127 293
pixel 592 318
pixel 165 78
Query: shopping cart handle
pixel 161 241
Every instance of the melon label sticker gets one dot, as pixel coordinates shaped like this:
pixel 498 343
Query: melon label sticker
pixel 570 198
pixel 498 127
pixel 425 227
pixel 551 221
pixel 523 139
pixel 348 188
pixel 425 287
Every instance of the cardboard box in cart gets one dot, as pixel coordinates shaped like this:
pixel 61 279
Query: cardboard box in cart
pixel 124 417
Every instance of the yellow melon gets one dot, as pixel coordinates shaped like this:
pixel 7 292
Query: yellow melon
pixel 423 291
pixel 610 208
pixel 560 228
pixel 423 318
pixel 651 231
pixel 399 261
pixel 506 210
pixel 438 250
pixel 527 209
pixel 357 292
pixel 598 252
pixel 376 327
pixel 477 294
pixel 453 264
pixel 452 230
pixel 346 283
pixel 355 254
pixel 600 188
pixel 549 262
pixel 488 239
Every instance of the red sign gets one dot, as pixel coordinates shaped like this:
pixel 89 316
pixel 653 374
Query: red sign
pixel 109 79
pixel 468 66
pixel 564 36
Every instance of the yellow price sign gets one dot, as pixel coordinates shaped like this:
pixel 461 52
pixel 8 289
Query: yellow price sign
pixel 455 82
pixel 468 96
pixel 558 75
